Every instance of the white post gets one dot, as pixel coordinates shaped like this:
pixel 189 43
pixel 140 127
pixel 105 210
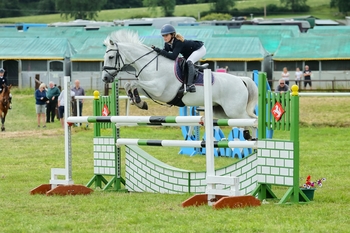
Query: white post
pixel 209 144
pixel 67 131
pixel 67 170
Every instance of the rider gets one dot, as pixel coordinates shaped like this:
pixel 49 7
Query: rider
pixel 3 80
pixel 175 44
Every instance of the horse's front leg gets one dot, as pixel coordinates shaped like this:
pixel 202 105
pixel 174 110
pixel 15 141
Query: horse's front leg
pixel 138 101
pixel 247 135
pixel 128 90
pixel 133 93
pixel 2 123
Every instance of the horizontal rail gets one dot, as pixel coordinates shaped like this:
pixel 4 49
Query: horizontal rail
pixel 324 94
pixel 183 143
pixel 162 120
pixel 154 120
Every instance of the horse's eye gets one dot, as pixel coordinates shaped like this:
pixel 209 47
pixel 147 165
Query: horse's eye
pixel 111 57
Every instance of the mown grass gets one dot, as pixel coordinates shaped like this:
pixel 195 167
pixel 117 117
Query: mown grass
pixel 318 8
pixel 28 154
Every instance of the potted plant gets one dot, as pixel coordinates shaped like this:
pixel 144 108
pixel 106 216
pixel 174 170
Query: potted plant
pixel 309 187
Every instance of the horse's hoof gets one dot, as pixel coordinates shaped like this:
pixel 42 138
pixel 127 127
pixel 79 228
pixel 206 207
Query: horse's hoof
pixel 246 135
pixel 145 106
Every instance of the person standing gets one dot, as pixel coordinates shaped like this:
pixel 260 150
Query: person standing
pixel 78 91
pixel 285 75
pixel 3 80
pixel 52 94
pixel 61 105
pixel 40 103
pixel 307 77
pixel 282 87
pixel 298 75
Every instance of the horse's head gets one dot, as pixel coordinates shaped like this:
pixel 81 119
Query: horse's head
pixel 125 48
pixel 113 62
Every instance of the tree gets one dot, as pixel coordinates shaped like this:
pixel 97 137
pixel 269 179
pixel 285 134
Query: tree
pixel 79 9
pixel 47 7
pixel 115 4
pixel 167 6
pixel 343 5
pixel 296 5
pixel 219 6
pixel 10 9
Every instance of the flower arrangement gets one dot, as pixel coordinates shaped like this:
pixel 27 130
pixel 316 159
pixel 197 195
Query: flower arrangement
pixel 313 184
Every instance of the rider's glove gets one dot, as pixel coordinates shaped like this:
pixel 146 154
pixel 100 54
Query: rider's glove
pixel 158 50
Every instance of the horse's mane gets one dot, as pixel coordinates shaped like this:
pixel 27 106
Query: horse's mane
pixel 124 36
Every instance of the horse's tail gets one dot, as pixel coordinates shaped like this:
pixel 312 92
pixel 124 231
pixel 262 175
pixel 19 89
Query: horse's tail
pixel 253 96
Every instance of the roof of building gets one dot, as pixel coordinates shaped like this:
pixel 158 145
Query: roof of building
pixel 313 48
pixel 250 43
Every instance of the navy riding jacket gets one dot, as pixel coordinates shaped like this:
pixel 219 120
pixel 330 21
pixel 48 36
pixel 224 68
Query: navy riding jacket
pixel 3 80
pixel 185 48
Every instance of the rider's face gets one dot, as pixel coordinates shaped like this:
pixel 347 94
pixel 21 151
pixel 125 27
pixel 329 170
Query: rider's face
pixel 167 38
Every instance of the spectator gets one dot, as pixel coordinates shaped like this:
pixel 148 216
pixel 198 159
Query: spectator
pixel 40 103
pixel 56 110
pixel 298 75
pixel 78 91
pixel 52 94
pixel 285 75
pixel 61 106
pixel 307 77
pixel 282 87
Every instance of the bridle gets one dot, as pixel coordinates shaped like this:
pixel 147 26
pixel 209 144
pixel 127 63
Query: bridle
pixel 120 65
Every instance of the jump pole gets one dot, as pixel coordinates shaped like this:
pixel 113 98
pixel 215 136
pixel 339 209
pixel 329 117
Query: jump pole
pixel 162 120
pixel 183 143
pixel 215 197
pixel 64 186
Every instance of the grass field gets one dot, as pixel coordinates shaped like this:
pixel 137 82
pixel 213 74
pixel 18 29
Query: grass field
pixel 28 154
pixel 319 8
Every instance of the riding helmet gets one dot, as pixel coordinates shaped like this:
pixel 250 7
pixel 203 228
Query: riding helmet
pixel 167 29
pixel 2 70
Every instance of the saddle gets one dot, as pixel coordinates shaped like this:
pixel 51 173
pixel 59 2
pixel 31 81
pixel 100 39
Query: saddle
pixel 180 69
pixel 181 72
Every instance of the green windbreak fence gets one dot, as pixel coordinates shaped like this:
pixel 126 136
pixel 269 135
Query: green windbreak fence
pixel 99 105
pixel 284 99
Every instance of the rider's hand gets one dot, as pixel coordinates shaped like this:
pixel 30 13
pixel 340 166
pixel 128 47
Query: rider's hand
pixel 156 49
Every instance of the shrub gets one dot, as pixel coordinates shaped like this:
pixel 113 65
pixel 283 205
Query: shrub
pixel 215 16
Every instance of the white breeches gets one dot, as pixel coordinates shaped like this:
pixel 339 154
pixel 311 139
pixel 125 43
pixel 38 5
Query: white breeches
pixel 198 54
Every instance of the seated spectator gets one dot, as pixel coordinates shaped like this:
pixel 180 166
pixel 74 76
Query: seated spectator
pixel 282 87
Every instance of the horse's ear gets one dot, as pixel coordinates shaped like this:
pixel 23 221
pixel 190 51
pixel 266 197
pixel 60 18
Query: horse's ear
pixel 111 42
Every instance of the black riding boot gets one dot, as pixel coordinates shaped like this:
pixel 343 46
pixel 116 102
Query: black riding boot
pixel 190 77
